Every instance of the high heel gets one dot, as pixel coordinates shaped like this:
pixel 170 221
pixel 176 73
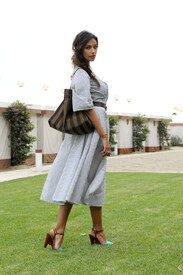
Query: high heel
pixel 48 240
pixel 95 240
pixel 92 239
pixel 51 240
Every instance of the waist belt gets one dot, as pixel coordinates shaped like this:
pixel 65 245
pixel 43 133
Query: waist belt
pixel 100 105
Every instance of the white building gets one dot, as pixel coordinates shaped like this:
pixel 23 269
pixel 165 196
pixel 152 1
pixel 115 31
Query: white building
pixel 49 140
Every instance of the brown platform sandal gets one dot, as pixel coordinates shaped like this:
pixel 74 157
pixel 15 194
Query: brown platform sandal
pixel 51 240
pixel 95 240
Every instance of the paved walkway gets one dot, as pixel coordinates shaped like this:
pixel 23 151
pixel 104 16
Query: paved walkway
pixel 168 161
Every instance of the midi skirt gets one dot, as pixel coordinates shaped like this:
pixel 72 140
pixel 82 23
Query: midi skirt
pixel 78 172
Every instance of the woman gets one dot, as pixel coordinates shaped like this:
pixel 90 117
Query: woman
pixel 77 175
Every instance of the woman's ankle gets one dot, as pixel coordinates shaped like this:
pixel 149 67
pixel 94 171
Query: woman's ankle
pixel 97 228
pixel 60 229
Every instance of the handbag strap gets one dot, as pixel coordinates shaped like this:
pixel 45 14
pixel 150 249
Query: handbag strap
pixel 65 108
pixel 74 73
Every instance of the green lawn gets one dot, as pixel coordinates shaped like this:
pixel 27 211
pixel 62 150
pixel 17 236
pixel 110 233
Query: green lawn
pixel 142 216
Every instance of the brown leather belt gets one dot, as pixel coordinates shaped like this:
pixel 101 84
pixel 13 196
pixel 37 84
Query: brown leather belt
pixel 100 105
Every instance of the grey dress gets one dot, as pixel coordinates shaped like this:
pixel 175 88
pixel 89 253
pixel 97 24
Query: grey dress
pixel 78 172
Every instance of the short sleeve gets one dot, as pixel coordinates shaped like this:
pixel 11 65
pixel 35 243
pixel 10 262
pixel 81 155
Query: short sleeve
pixel 81 96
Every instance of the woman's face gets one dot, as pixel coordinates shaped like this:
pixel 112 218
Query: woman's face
pixel 90 50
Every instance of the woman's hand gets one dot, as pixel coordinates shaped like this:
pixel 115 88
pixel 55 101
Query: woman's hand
pixel 96 123
pixel 107 149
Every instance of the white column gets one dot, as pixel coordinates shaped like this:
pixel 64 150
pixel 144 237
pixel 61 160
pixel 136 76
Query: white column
pixel 39 162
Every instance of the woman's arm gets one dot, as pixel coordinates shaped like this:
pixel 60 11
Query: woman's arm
pixel 91 114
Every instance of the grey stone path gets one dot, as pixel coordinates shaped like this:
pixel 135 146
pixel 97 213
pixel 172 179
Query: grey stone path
pixel 168 161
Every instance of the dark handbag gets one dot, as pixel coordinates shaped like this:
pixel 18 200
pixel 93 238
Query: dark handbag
pixel 67 121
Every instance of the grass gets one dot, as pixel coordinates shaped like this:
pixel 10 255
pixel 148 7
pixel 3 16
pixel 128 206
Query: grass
pixel 142 216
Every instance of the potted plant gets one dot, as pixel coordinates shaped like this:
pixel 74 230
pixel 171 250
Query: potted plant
pixel 113 121
pixel 21 142
pixel 140 131
pixel 164 136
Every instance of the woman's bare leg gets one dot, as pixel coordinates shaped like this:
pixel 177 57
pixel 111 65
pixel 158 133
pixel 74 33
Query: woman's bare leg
pixel 96 214
pixel 63 215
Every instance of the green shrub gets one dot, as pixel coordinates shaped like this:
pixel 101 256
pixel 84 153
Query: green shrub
pixel 140 131
pixel 175 140
pixel 163 134
pixel 20 124
pixel 113 121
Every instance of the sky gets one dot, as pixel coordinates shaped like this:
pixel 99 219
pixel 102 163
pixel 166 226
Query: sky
pixel 140 52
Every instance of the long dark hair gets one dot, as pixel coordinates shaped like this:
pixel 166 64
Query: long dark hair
pixel 78 59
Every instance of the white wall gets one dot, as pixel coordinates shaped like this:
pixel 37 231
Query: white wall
pixel 177 130
pixel 52 138
pixel 5 151
pixel 49 140
pixel 152 139
pixel 34 132
pixel 124 135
